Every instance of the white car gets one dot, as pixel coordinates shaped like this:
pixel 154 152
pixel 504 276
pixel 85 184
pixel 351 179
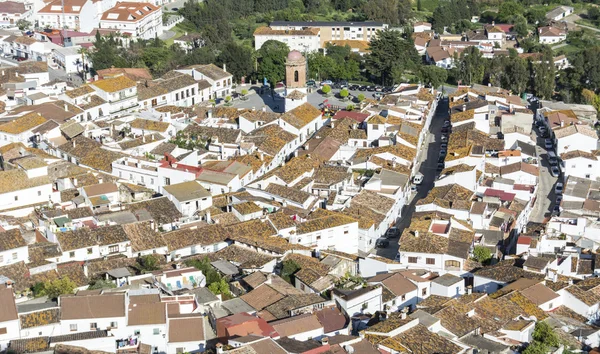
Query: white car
pixel 418 178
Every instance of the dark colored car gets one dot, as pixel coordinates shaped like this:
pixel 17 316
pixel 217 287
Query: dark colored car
pixel 362 88
pixel 382 243
pixel 444 139
pixel 371 88
pixel 354 87
pixel 378 88
pixel 440 166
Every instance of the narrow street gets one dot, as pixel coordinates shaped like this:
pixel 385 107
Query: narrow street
pixel 428 160
pixel 545 196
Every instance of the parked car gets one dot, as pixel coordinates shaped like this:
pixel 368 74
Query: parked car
pixel 559 188
pixel 354 87
pixel 362 88
pixel 548 144
pixel 311 83
pixel 443 153
pixel 554 171
pixel 413 188
pixel 440 166
pixel 418 178
pixel 559 199
pixel 445 130
pixel 444 146
pixel 444 139
pixel 326 82
pixel 446 124
pixel 371 88
pixel 392 232
pixel 343 83
pixel 378 88
pixel 388 89
pixel 382 243
pixel 377 95
pixel 556 210
pixel 543 131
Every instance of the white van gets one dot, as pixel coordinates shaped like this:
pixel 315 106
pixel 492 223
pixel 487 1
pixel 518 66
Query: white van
pixel 418 178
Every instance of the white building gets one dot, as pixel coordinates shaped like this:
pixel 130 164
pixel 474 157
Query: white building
pixel 559 13
pixel 219 79
pixel 12 12
pixel 120 92
pixel 551 35
pixel 79 15
pixel 303 40
pixel 365 300
pixel 141 20
pixel 580 137
pixel 13 248
pixel 581 164
pixel 70 59
pixel 93 312
pixel 188 197
pixel 419 27
pixel 9 322
pixel 448 285
pixel 331 232
pixel 26 186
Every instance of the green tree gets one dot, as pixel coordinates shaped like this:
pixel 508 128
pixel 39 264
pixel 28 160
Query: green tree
pixel 384 62
pixel 536 348
pixel 360 97
pixel 239 59
pixel 545 334
pixel 220 287
pixel 344 93
pixel 350 107
pixel 433 75
pixel 244 92
pixel 326 89
pixel 288 270
pixel 23 25
pixel 516 75
pixel 148 263
pixel 482 254
pixel 536 16
pixel 272 57
pixel 62 286
pixel 471 66
pixel 419 5
pixel 509 10
pixel 543 77
pixel 101 284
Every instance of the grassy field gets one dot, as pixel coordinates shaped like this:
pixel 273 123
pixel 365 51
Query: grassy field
pixel 566 49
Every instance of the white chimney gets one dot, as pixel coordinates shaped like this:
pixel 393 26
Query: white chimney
pixel 324 340
pixel 74 143
pixel 66 108
pixel 224 67
pixel 209 113
pixel 469 290
pixel 269 279
pixel 143 138
pixel 85 269
pixel 75 182
pixel 464 107
pixel 417 234
pixel 208 219
pixel 404 313
pixel 562 123
pixel 306 145
pixel 262 156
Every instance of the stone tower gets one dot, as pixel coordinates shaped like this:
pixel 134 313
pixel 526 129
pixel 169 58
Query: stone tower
pixel 295 80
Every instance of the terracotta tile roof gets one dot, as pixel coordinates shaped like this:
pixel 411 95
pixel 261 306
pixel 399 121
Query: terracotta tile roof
pixel 456 321
pixel 15 180
pixel 140 314
pixel 292 194
pixel 186 330
pixel 259 234
pixel 90 307
pixel 262 297
pixel 211 71
pixel 151 125
pixel 255 279
pixel 281 309
pixel 301 115
pixel 281 221
pixel 399 150
pixel 452 196
pixel 587 297
pixel 204 236
pixel 583 129
pixel 23 123
pixel 128 12
pixel 419 340
pixel 136 74
pixel 578 153
pixel 243 257
pixel 162 210
pixel 246 208
pixel 11 239
pixel 114 84
pixel 80 91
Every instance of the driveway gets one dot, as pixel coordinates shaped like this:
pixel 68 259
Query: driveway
pixel 571 23
pixel 427 161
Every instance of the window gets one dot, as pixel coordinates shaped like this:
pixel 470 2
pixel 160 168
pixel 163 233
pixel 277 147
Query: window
pixel 302 287
pixel 412 259
pixel 589 166
pixel 151 180
pixel 14 256
pixel 136 332
pixel 113 248
pixel 296 76
pixel 3 330
pixel 93 326
pixel 587 176
pixel 167 181
pixel 16 198
pixel 73 327
pixel 424 292
pixel 39 193
pixel 114 325
pixel 1 259
pixel 72 254
pixel 403 298
pixel 375 126
pixel 430 260
pixel 89 251
pixel 176 97
pixel 179 350
pixel 156 331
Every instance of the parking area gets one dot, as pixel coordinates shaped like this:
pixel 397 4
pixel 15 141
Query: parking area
pixel 546 197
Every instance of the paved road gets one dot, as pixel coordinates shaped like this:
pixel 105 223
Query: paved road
pixel 275 103
pixel 545 196
pixel 572 18
pixel 427 160
pixel 167 35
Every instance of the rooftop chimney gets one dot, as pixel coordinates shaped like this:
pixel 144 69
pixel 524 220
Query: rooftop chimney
pixel 464 107
pixel 210 113
pixel 143 138
pixel 74 143
pixel 417 234
pixel 219 347
pixel 404 313
pixel 562 123
pixel 224 67
pixel 469 290
pixel 262 156
pixel 325 340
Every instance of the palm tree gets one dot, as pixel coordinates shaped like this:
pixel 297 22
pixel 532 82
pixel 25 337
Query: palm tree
pixel 84 52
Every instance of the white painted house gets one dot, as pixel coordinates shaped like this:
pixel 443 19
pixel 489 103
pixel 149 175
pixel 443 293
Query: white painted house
pixel 78 15
pixel 581 164
pixel 188 197
pixel 364 300
pixel 141 20
pixel 120 92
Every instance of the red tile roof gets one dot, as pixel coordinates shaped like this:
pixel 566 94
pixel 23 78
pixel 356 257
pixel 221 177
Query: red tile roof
pixel 357 116
pixel 500 194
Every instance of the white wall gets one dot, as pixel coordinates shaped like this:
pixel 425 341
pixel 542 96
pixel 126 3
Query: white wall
pixel 24 197
pixel 454 290
pixel 372 299
pixel 576 142
pixel 15 255
pixel 582 167
pixel 343 238
pixel 301 43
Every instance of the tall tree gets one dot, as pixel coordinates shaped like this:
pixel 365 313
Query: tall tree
pixel 272 56
pixel 471 66
pixel 516 75
pixel 433 75
pixel 384 59
pixel 238 58
pixel 543 77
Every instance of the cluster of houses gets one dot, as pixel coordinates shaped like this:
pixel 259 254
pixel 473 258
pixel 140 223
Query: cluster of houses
pixel 265 227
